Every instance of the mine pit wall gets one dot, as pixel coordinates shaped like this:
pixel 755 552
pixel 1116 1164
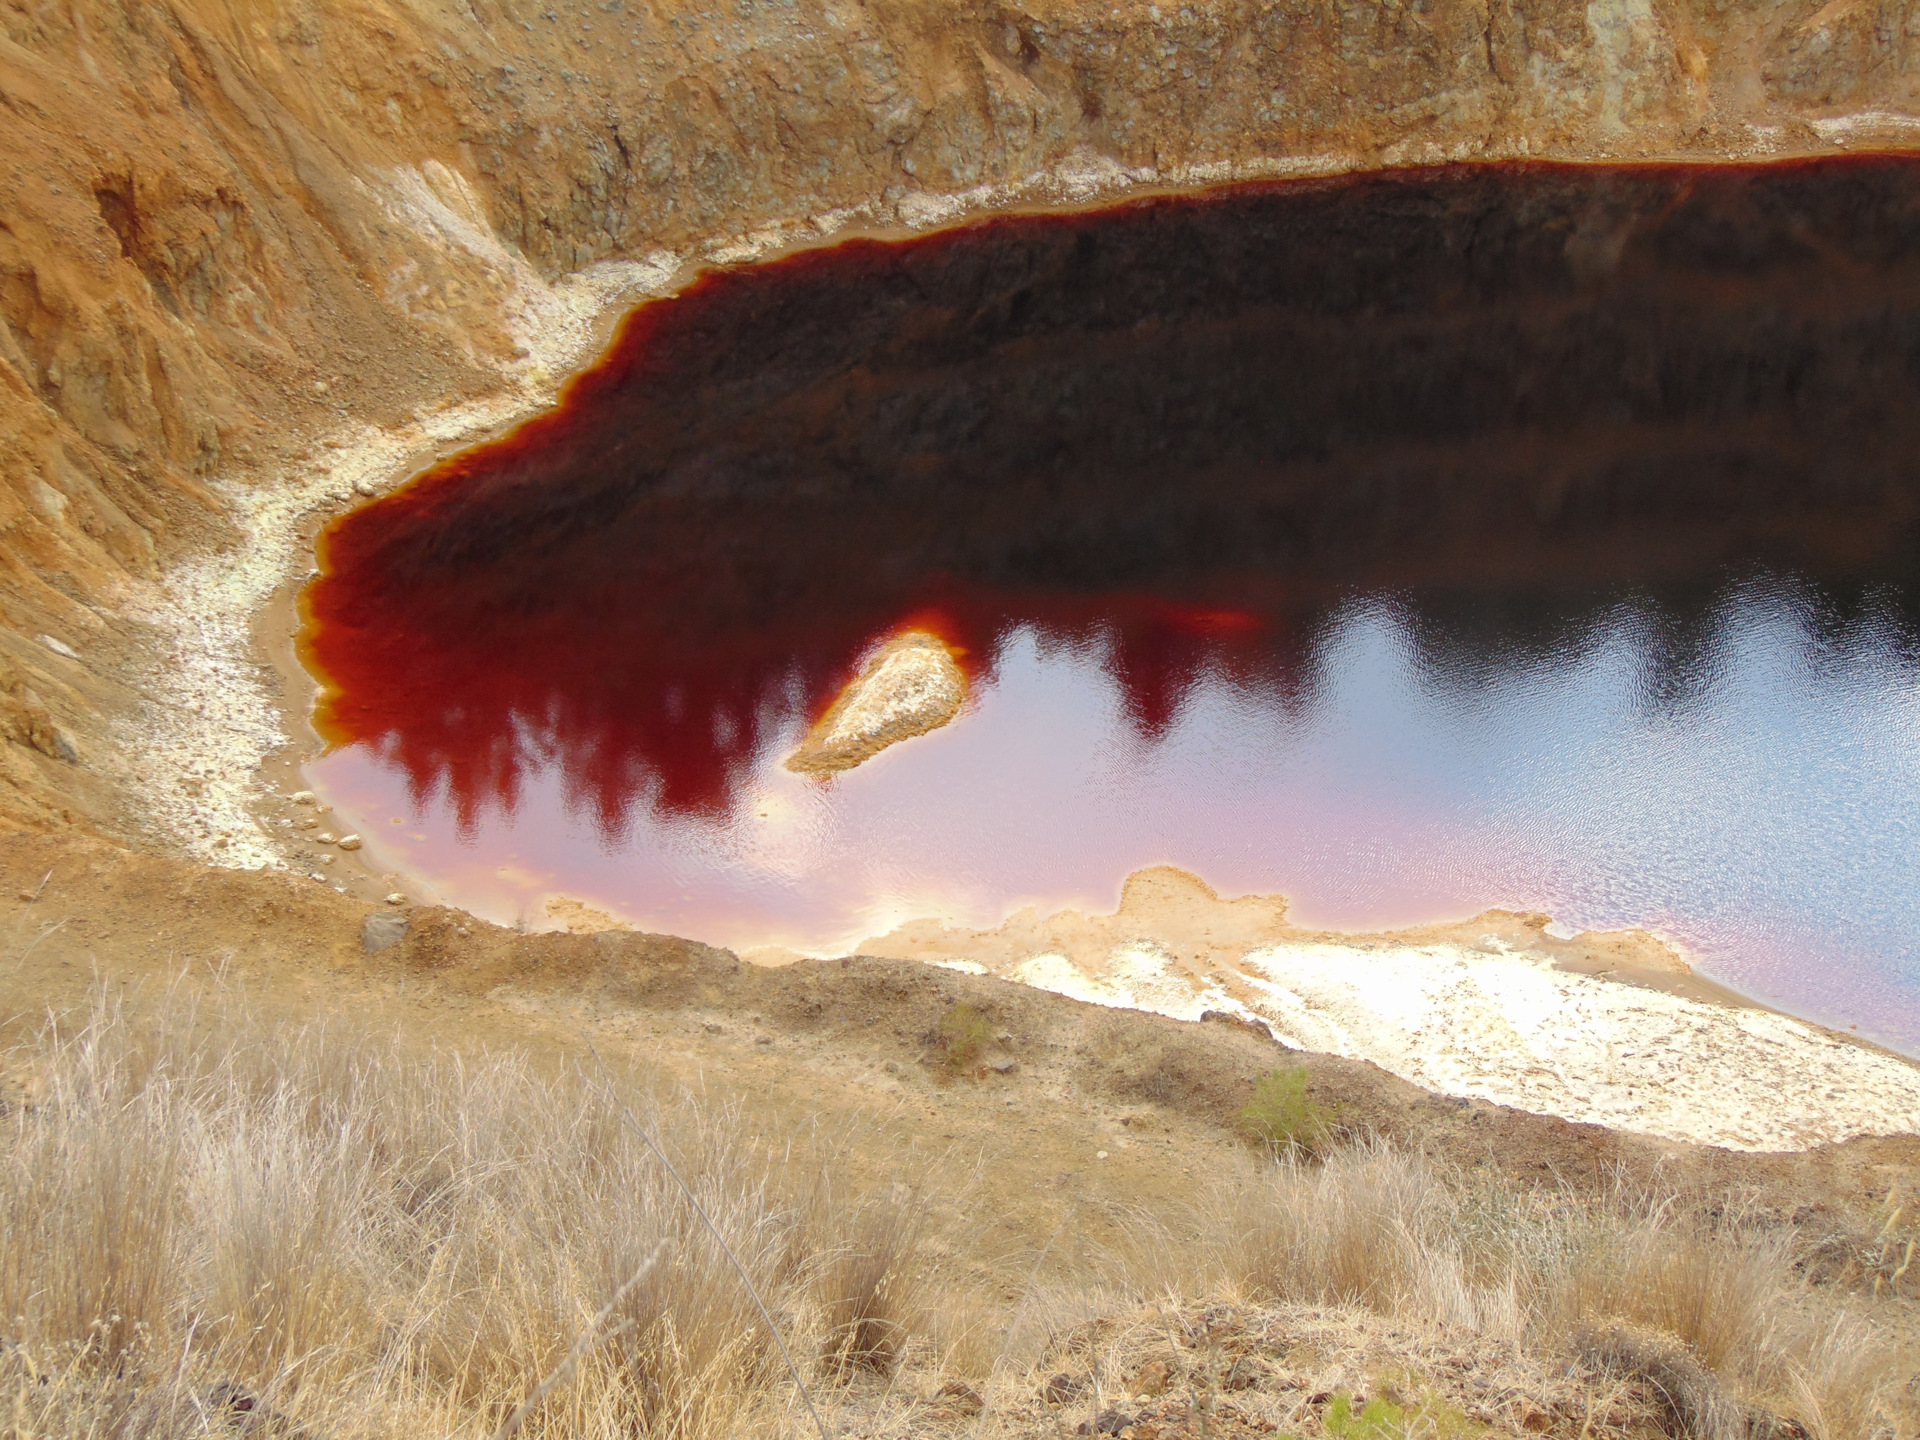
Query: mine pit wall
pixel 230 230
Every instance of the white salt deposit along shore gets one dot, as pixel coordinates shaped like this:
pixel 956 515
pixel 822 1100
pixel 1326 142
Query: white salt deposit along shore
pixel 1499 1025
pixel 1494 1008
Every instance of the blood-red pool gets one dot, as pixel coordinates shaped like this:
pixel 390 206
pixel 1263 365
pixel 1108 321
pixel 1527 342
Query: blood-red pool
pixel 1409 543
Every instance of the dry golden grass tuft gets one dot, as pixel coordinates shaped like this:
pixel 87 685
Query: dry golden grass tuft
pixel 216 1226
pixel 302 1224
pixel 1704 1322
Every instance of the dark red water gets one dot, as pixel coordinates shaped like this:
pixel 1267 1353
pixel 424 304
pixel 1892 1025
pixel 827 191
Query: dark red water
pixel 1282 528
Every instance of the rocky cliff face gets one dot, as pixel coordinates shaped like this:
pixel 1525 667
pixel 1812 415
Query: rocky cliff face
pixel 227 229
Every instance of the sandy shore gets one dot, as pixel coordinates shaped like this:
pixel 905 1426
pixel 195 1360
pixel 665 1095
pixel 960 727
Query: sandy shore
pixel 1611 1029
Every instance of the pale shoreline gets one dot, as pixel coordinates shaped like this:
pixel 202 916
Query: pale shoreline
pixel 1607 1028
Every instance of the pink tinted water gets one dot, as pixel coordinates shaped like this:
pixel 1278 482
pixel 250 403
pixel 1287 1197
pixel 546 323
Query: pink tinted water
pixel 1767 815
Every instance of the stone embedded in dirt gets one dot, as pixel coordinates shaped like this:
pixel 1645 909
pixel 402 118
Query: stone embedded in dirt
pixel 1242 1022
pixel 958 1395
pixel 1152 1379
pixel 909 686
pixel 381 929
pixel 1061 1389
pixel 1107 1422
pixel 302 797
pixel 1003 1066
pixel 396 898
pixel 349 842
pixel 325 837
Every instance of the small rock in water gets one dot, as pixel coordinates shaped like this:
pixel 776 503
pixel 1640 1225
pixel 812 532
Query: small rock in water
pixel 325 837
pixel 301 797
pixel 349 842
pixel 911 685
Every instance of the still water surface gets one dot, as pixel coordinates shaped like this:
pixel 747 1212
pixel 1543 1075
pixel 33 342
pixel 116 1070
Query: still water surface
pixel 1411 545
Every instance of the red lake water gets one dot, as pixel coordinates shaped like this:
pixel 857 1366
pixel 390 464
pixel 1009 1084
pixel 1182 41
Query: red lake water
pixel 1409 544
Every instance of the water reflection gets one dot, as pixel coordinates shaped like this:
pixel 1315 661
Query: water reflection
pixel 1411 543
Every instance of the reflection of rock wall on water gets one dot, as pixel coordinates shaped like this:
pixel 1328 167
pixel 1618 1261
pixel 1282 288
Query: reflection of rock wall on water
pixel 1177 434
pixel 225 234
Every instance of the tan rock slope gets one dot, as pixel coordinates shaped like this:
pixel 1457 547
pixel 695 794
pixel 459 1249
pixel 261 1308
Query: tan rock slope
pixel 233 236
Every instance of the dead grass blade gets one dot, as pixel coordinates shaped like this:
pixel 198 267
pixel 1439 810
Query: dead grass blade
pixel 746 1280
pixel 588 1338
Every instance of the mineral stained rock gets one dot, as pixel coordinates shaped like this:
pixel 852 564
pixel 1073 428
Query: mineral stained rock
pixel 909 686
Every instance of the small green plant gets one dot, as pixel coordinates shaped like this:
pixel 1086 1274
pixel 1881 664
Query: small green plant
pixel 1281 1115
pixel 1429 1418
pixel 964 1033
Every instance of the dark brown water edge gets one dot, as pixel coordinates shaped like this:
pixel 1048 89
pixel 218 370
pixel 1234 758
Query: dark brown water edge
pixel 1182 433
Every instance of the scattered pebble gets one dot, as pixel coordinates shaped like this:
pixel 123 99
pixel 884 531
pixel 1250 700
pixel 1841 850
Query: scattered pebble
pixel 396 898
pixel 349 842
pixel 962 1397
pixel 1061 1389
pixel 59 647
pixel 301 797
pixel 1099 1154
pixel 328 859
pixel 325 837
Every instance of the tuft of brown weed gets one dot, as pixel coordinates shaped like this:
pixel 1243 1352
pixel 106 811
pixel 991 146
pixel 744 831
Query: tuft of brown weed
pixel 1708 1313
pixel 365 1240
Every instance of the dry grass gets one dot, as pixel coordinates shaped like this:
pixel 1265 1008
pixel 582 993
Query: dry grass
pixel 365 1241
pixel 1708 1317
pixel 214 1227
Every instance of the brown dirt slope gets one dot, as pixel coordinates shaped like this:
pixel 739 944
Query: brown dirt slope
pixel 854 1043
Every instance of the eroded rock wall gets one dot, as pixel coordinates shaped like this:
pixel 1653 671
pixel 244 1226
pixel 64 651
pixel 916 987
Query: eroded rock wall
pixel 226 228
